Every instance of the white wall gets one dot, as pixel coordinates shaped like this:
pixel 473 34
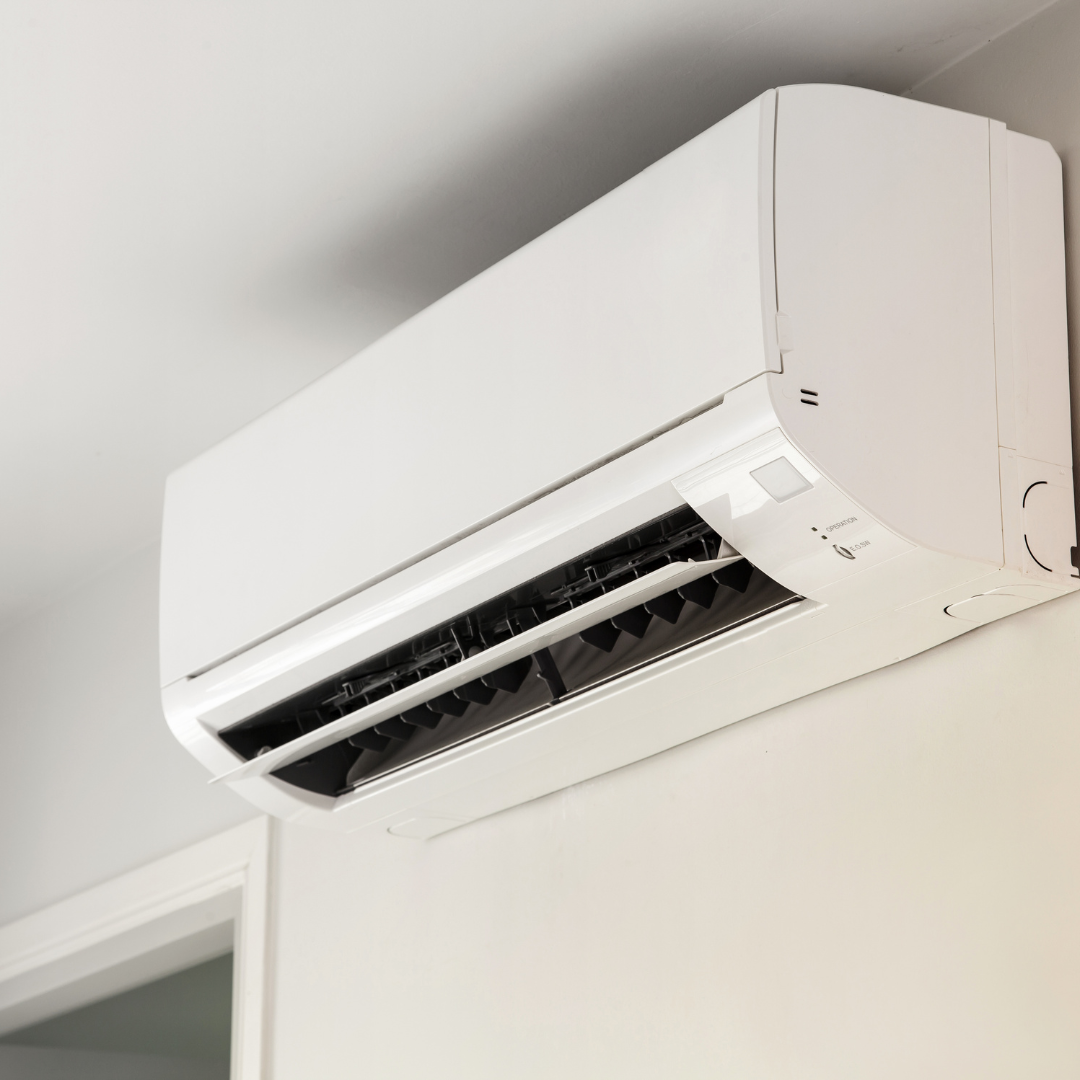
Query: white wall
pixel 92 783
pixel 880 880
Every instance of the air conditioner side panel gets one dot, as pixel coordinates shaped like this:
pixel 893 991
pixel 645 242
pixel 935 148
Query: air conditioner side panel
pixel 1040 344
pixel 884 271
pixel 639 310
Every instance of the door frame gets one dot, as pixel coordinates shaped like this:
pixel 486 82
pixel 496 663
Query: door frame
pixel 178 911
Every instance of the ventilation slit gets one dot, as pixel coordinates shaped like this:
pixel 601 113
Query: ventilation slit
pixel 567 667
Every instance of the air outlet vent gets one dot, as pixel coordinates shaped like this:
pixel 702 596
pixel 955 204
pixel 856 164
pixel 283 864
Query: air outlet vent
pixel 603 651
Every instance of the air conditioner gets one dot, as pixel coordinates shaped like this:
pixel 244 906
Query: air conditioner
pixel 790 405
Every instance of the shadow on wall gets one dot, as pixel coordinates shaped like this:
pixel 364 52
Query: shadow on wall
pixel 572 148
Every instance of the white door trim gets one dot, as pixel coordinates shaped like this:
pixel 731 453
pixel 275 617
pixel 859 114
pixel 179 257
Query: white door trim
pixel 187 907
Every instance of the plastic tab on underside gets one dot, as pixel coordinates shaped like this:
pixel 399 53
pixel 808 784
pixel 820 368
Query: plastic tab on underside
pixel 996 604
pixel 424 828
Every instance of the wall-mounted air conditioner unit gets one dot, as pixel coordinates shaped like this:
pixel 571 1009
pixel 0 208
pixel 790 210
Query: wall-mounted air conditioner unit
pixel 790 405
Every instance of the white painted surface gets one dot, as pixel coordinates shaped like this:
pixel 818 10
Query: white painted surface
pixel 37 1063
pixel 90 783
pixel 875 881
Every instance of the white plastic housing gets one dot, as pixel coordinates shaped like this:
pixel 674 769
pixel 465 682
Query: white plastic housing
pixel 853 301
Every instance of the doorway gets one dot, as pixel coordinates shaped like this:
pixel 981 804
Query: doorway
pixel 162 969
pixel 176 1026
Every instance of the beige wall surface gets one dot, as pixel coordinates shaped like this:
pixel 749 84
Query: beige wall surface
pixel 877 881
pixel 881 880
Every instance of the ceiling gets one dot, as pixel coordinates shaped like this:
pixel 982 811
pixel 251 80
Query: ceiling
pixel 208 203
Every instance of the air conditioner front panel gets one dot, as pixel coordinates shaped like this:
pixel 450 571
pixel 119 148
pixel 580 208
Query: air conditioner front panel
pixel 642 309
pixel 607 502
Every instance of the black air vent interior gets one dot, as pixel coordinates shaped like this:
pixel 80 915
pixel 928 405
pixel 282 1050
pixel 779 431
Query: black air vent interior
pixel 698 609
